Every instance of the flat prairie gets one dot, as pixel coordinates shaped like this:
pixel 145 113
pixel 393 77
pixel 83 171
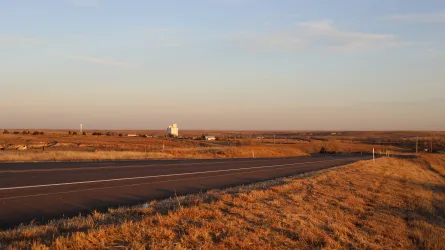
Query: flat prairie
pixel 62 146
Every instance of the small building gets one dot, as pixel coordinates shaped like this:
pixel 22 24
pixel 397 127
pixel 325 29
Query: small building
pixel 132 135
pixel 210 138
pixel 173 130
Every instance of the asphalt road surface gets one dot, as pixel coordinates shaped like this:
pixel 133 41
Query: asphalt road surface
pixel 43 191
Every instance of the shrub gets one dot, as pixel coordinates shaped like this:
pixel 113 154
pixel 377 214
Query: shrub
pixel 41 133
pixel 36 133
pixel 5 131
pixel 74 133
pixel 84 133
pixel 16 133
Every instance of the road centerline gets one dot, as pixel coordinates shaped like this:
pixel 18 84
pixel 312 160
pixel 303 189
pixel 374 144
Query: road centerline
pixel 123 167
pixel 132 185
pixel 165 175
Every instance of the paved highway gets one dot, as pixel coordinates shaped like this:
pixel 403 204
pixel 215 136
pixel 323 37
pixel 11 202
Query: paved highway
pixel 43 191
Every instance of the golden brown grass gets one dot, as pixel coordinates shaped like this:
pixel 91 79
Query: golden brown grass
pixel 62 147
pixel 13 156
pixel 181 153
pixel 390 204
pixel 77 148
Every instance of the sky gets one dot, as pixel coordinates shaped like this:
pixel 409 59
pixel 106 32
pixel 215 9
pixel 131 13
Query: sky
pixel 223 64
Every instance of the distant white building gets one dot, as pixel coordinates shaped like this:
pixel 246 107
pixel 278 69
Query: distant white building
pixel 210 138
pixel 173 130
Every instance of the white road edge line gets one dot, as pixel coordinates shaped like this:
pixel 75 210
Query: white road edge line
pixel 128 185
pixel 123 166
pixel 166 175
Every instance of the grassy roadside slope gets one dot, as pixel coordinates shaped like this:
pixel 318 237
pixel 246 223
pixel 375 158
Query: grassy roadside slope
pixel 392 204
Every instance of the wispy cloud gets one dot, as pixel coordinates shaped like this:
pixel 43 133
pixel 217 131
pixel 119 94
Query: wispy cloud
pixel 431 17
pixel 102 61
pixel 17 40
pixel 435 53
pixel 165 36
pixel 316 35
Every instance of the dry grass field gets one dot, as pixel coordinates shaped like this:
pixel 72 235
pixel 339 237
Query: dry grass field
pixel 60 146
pixel 176 153
pixel 393 203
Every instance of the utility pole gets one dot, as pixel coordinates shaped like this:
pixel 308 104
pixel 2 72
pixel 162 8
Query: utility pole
pixel 274 139
pixel 373 155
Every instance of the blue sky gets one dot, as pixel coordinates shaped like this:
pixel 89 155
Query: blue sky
pixel 223 64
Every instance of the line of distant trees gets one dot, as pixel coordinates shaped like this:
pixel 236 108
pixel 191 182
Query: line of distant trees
pixel 24 132
pixel 75 133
